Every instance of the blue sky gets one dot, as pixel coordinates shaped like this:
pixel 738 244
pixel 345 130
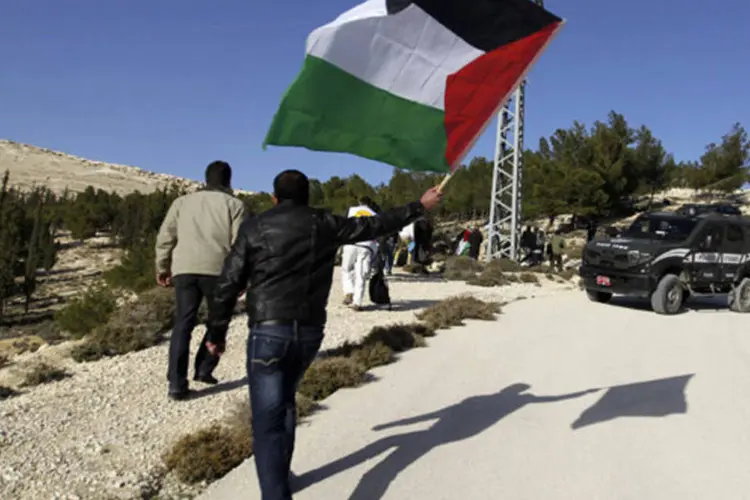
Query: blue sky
pixel 170 85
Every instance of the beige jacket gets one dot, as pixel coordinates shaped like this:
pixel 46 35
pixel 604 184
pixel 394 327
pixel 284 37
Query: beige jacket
pixel 198 233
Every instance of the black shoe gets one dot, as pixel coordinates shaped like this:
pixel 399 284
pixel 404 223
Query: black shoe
pixel 206 379
pixel 179 395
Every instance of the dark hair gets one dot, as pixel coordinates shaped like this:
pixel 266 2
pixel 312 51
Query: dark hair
pixel 292 185
pixel 219 174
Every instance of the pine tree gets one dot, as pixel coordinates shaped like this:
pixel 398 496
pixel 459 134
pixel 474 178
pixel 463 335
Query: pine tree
pixel 33 252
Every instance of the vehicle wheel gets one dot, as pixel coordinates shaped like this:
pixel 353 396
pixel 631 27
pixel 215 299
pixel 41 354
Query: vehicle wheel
pixel 668 296
pixel 739 297
pixel 597 296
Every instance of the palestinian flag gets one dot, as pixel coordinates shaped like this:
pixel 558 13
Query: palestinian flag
pixel 411 84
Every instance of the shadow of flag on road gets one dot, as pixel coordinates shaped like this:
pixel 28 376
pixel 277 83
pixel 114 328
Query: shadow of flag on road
pixel 654 398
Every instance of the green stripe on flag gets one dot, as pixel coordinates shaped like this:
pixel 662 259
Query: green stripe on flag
pixel 327 109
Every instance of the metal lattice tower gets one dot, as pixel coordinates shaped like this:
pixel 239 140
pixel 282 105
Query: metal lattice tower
pixel 507 178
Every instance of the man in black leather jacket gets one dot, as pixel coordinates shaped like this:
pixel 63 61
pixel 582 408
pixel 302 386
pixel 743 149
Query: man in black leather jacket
pixel 285 259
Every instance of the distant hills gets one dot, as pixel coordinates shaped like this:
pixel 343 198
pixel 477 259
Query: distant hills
pixel 34 166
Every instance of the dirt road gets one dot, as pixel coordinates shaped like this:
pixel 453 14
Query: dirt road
pixel 559 399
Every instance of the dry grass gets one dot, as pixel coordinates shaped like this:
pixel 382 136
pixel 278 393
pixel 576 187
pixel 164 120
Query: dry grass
pixel 507 265
pixel 4 360
pixel 378 348
pixel 495 273
pixel 461 268
pixel 453 311
pixel 367 355
pixel 328 375
pixel 568 274
pixel 440 257
pixel 574 252
pixel 43 373
pixel 415 268
pixel 400 337
pixel 209 454
pixel 305 406
pixel 139 326
pixel 528 278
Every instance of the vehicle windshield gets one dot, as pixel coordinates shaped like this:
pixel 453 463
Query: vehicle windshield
pixel 664 228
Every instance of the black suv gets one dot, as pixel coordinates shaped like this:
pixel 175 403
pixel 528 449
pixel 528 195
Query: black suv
pixel 667 257
pixel 691 209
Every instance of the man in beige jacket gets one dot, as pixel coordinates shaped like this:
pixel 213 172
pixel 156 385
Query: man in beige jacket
pixel 193 241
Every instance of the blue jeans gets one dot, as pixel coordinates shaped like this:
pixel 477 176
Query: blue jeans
pixel 277 358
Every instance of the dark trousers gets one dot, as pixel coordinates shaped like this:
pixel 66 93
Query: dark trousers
pixel 387 253
pixel 277 357
pixel 190 290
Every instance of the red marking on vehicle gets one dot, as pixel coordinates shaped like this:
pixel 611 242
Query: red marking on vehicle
pixel 603 281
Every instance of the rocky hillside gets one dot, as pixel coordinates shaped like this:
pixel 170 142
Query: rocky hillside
pixel 32 165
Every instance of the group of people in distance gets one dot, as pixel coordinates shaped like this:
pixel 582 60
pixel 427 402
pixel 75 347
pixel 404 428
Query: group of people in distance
pixel 283 259
pixel 535 247
pixel 468 243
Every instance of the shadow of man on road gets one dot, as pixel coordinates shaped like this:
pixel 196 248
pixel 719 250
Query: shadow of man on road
pixel 458 422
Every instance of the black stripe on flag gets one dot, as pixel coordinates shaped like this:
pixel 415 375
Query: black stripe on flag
pixel 484 24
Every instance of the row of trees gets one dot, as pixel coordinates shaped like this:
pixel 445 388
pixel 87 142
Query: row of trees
pixel 28 223
pixel 598 171
pixel 584 171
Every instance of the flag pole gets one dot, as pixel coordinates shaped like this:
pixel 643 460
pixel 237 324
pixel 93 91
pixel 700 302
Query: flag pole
pixel 445 181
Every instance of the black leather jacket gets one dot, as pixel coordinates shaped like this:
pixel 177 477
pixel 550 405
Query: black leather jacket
pixel 285 258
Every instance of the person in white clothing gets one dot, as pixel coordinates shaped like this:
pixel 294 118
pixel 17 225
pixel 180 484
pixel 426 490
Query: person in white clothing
pixel 356 260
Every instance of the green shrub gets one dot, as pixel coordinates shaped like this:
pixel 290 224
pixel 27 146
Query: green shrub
pixel 139 326
pixel 85 313
pixel 326 376
pixel 135 272
pixel 452 311
pixel 43 373
pixel 461 268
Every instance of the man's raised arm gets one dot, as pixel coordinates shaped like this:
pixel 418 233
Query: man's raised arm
pixel 356 229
